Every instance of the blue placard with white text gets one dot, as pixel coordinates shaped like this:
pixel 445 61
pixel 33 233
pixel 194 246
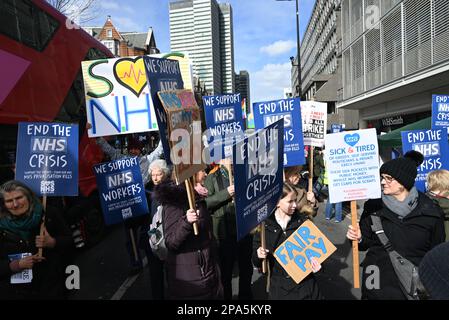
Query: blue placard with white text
pixel 121 190
pixel 266 113
pixel 224 120
pixel 258 177
pixel 47 158
pixel 440 111
pixel 433 145
pixel 162 75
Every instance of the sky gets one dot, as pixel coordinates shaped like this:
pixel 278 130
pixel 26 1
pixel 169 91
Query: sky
pixel 264 35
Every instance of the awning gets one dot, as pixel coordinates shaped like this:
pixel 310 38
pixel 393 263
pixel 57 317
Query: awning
pixel 393 138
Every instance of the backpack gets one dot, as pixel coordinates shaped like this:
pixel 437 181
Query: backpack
pixel 405 270
pixel 156 235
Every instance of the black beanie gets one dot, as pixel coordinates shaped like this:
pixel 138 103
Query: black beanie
pixel 434 272
pixel 404 169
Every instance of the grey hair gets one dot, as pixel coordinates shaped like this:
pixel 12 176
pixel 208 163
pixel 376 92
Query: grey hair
pixel 159 164
pixel 14 185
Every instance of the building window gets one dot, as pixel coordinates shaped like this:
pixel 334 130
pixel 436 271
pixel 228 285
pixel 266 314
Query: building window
pixel 110 45
pixel 109 33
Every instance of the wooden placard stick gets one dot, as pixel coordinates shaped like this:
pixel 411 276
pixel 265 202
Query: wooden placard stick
pixel 263 245
pixel 42 229
pixel 228 166
pixel 191 197
pixel 311 169
pixel 355 246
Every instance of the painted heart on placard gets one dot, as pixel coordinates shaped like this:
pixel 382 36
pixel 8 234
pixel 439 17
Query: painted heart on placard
pixel 130 73
pixel 352 139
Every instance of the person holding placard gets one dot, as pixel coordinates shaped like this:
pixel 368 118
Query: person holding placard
pixel 191 265
pixel 438 190
pixel 411 221
pixel 278 227
pixel 23 274
pixel 306 200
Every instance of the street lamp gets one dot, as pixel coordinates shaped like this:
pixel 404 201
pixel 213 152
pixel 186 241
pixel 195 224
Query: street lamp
pixel 298 64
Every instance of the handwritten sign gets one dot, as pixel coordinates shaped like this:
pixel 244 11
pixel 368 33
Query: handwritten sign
pixel 352 160
pixel 433 145
pixel 306 242
pixel 258 176
pixel 122 193
pixel 47 158
pixel 269 112
pixel 184 131
pixel 314 122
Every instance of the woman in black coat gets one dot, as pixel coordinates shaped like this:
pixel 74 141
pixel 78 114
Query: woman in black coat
pixel 411 221
pixel 20 218
pixel 278 227
pixel 192 260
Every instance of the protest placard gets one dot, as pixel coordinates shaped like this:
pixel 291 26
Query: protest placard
pixel 440 111
pixel 306 242
pixel 118 100
pixel 434 147
pixel 352 160
pixel 47 158
pixel 266 113
pixel 225 124
pixel 184 131
pixel 258 176
pixel 185 65
pixel 121 190
pixel 162 75
pixel 314 122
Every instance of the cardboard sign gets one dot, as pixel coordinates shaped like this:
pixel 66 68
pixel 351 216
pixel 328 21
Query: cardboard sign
pixel 434 147
pixel 440 111
pixel 163 75
pixel 314 122
pixel 258 178
pixel 122 193
pixel 352 160
pixel 225 123
pixel 269 112
pixel 306 242
pixel 118 100
pixel 184 132
pixel 47 158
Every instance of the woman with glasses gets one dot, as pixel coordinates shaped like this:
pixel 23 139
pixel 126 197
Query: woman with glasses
pixel 412 222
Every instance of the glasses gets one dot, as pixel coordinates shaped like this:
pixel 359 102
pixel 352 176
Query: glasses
pixel 387 179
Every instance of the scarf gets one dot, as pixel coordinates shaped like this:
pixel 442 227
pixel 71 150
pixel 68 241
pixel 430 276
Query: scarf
pixel 24 225
pixel 402 208
pixel 202 191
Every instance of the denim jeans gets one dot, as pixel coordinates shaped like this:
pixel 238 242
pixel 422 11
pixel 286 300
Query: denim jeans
pixel 338 210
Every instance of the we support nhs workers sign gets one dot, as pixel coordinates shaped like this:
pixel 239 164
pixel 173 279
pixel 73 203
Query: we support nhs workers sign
pixel 434 147
pixel 122 193
pixel 118 100
pixel 266 113
pixel 352 163
pixel 162 75
pixel 225 123
pixel 258 176
pixel 440 111
pixel 47 158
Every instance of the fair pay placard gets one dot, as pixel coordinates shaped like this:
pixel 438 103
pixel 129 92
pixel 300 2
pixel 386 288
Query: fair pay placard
pixel 305 243
pixel 352 163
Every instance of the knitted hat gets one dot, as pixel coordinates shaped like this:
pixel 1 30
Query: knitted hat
pixel 134 144
pixel 404 169
pixel 434 271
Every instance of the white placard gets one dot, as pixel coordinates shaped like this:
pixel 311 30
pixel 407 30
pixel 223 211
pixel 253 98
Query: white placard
pixel 314 122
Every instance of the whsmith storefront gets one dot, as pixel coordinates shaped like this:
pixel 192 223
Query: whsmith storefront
pixel 388 124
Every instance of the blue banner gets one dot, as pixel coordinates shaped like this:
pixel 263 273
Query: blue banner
pixel 258 177
pixel 433 145
pixel 121 190
pixel 162 75
pixel 47 158
pixel 266 113
pixel 336 128
pixel 440 111
pixel 224 119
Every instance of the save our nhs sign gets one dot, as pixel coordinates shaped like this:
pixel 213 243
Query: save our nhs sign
pixel 121 189
pixel 434 147
pixel 225 123
pixel 266 113
pixel 47 158
pixel 440 111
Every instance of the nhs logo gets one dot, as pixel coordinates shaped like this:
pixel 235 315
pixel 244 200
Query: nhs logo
pixel 272 118
pixel 224 114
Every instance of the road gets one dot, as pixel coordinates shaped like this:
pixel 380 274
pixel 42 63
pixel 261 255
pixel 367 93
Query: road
pixel 104 268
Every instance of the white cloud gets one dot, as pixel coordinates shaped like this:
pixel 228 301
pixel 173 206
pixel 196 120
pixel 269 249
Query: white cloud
pixel 269 83
pixel 278 47
pixel 115 6
pixel 126 24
